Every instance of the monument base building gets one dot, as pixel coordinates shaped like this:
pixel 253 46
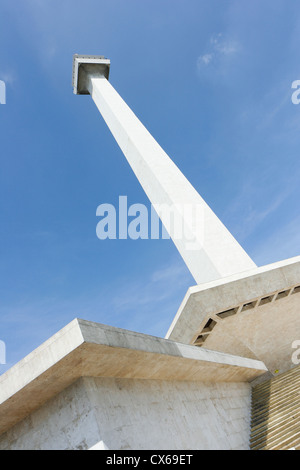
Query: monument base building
pixel 96 386
pixel 92 386
pixel 226 377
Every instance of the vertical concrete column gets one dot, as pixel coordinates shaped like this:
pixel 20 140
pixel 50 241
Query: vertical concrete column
pixel 207 247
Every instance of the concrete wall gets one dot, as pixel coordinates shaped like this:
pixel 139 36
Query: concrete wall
pixel 65 422
pixel 138 414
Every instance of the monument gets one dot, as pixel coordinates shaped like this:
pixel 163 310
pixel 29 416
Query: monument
pixel 92 386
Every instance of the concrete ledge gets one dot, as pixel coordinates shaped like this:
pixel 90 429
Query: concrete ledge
pixel 89 349
pixel 254 314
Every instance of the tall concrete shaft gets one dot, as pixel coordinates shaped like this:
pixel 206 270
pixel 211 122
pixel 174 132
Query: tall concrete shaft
pixel 207 247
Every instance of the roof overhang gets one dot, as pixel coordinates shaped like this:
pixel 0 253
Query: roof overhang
pixel 90 349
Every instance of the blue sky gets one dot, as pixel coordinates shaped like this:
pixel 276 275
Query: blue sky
pixel 211 80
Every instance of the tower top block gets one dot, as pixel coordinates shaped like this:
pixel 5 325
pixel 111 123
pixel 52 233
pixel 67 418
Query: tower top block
pixel 97 65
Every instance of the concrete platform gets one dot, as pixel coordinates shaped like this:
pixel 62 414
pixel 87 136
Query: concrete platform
pixel 254 314
pixel 87 349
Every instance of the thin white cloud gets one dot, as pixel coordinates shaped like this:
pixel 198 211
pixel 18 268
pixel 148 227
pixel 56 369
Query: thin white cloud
pixel 159 287
pixel 282 244
pixel 224 46
pixel 174 272
pixel 205 59
pixel 219 47
pixel 253 205
pixel 9 77
pixel 38 18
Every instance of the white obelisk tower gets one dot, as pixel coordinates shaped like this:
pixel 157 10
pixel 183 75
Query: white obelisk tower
pixel 207 247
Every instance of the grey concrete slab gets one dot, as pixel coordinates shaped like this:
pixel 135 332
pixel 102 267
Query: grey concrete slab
pixel 88 349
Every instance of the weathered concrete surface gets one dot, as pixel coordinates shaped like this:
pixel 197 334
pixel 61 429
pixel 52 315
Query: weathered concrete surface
pixel 215 252
pixel 262 319
pixel 89 349
pixel 138 414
